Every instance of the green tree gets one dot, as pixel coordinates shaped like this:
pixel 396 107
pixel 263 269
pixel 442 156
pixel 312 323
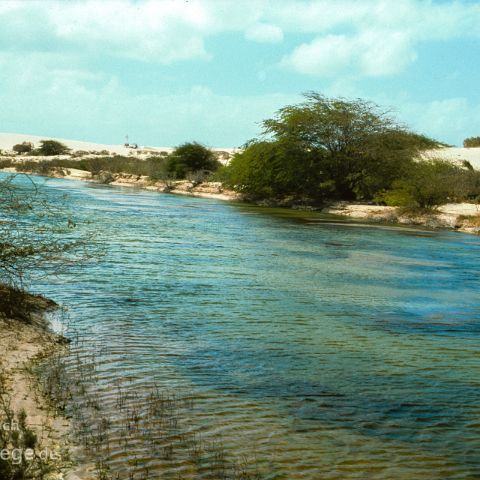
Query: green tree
pixel 52 147
pixel 471 142
pixel 191 157
pixel 431 183
pixel 24 147
pixel 348 149
pixel 276 169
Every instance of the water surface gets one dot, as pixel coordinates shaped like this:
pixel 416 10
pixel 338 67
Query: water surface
pixel 319 349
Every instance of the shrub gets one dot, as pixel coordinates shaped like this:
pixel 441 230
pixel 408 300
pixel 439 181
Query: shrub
pixel 327 148
pixel 191 157
pixel 52 147
pixel 25 147
pixel 432 183
pixel 471 142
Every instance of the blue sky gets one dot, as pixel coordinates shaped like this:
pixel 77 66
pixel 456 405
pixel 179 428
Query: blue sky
pixel 210 70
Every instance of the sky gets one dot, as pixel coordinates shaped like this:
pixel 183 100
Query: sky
pixel 169 71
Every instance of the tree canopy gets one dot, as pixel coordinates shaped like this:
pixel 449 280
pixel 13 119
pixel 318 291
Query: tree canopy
pixel 24 147
pixel 52 147
pixel 327 148
pixel 191 157
pixel 471 142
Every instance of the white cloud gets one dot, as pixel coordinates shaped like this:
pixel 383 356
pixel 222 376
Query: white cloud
pixel 449 120
pixel 162 32
pixel 264 33
pixel 323 56
pixel 51 55
pixel 99 108
pixel 373 37
pixel 370 53
pixel 383 33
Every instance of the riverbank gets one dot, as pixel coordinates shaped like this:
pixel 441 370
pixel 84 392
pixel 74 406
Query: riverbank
pixel 24 341
pixel 462 217
pixel 214 190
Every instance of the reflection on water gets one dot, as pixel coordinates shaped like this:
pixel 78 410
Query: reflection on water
pixel 321 349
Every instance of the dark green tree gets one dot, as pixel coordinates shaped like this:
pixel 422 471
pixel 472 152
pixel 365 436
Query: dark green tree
pixel 347 149
pixel 267 169
pixel 191 157
pixel 471 142
pixel 24 147
pixel 354 142
pixel 52 147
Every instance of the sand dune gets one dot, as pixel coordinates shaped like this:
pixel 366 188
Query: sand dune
pixel 7 140
pixel 457 155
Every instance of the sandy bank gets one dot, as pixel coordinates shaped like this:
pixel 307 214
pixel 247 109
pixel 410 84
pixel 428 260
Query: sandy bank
pixel 213 190
pixel 464 217
pixel 457 155
pixel 22 344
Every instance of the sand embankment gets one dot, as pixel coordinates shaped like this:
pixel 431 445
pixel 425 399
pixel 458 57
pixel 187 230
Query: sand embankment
pixel 214 190
pixel 24 342
pixel 464 217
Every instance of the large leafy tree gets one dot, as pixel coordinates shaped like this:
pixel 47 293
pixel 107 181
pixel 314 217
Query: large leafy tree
pixel 349 148
pixel 52 147
pixel 191 157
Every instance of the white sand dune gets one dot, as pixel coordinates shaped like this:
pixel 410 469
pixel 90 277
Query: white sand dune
pixel 457 155
pixel 8 140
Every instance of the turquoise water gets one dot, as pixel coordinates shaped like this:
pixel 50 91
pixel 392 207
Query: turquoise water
pixel 321 349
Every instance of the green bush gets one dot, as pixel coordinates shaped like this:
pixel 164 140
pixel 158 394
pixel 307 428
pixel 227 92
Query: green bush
pixel 471 142
pixel 49 148
pixel 432 183
pixel 327 148
pixel 191 157
pixel 25 147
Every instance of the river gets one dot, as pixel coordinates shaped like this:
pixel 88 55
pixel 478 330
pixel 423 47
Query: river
pixel 304 346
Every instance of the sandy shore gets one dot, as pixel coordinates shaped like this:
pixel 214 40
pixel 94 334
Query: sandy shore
pixel 213 190
pixel 464 217
pixel 22 345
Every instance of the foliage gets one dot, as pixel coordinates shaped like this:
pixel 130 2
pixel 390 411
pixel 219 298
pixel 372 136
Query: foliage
pixel 49 148
pixel 37 235
pixel 191 157
pixel 327 148
pixel 274 169
pixel 431 183
pixel 20 458
pixel 152 167
pixel 25 147
pixel 471 142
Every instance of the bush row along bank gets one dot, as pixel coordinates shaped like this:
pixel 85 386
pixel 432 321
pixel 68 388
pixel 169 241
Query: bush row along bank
pixel 320 150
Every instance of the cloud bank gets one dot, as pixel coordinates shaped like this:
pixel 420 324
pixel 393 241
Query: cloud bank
pixel 53 57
